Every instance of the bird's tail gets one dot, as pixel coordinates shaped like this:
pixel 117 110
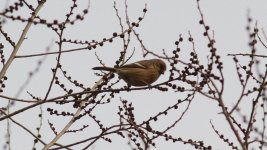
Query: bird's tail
pixel 105 69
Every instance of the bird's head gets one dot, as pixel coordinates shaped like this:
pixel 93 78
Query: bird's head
pixel 161 65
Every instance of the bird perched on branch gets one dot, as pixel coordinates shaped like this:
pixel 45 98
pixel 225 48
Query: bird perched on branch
pixel 140 73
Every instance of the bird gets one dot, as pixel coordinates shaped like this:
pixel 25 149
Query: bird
pixel 140 73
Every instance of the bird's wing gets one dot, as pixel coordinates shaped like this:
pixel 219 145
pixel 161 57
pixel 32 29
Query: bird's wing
pixel 139 64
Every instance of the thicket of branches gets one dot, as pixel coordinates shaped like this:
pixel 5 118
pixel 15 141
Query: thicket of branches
pixel 187 78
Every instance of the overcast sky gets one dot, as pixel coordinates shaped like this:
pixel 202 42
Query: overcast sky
pixel 163 23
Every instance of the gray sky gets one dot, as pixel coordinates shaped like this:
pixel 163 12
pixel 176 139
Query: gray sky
pixel 163 23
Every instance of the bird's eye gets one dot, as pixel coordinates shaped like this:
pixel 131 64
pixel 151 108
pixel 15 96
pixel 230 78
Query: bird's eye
pixel 162 68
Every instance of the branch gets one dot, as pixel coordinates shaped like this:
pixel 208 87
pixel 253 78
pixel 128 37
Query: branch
pixel 22 37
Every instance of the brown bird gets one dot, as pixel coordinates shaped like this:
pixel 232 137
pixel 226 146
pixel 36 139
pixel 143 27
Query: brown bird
pixel 140 73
